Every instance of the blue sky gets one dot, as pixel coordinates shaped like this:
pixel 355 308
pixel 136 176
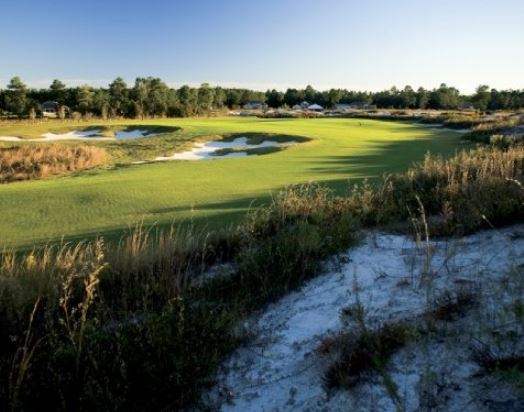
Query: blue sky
pixel 362 44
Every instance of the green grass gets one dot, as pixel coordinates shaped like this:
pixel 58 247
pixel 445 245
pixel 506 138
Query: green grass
pixel 216 192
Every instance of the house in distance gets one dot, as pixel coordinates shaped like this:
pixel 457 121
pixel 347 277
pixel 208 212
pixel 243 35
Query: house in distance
pixel 255 105
pixel 49 108
pixel 315 107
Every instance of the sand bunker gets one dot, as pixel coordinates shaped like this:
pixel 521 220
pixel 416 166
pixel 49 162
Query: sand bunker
pixel 208 150
pixel 9 138
pixel 92 134
pixel 74 135
pixel 47 137
pixel 132 134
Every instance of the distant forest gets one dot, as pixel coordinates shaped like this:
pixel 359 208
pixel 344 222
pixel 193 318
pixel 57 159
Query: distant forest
pixel 151 97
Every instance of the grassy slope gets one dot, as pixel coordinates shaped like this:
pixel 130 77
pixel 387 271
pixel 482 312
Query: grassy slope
pixel 109 201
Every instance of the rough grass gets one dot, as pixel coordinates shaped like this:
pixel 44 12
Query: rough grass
pixel 473 189
pixel 129 326
pixel 482 132
pixel 359 354
pixel 494 362
pixel 39 161
pixel 96 326
pixel 451 306
pixel 110 324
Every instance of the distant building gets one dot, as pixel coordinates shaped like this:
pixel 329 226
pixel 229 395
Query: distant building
pixel 343 107
pixel 360 106
pixel 50 108
pixel 297 107
pixel 255 105
pixel 304 105
pixel 315 108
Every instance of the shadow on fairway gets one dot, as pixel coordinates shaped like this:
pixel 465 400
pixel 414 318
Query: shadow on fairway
pixel 392 157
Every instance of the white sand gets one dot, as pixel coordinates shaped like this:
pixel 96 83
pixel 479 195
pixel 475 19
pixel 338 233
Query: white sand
pixel 47 137
pixel 80 135
pixel 279 371
pixel 132 134
pixel 10 138
pixel 74 135
pixel 206 150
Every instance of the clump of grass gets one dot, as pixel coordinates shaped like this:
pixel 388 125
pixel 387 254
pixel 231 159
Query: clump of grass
pixel 284 244
pixel 39 161
pixel 467 191
pixel 508 368
pixel 484 131
pixel 308 203
pixel 491 361
pixel 358 354
pixel 452 306
pixel 462 120
pixel 355 313
pixel 506 140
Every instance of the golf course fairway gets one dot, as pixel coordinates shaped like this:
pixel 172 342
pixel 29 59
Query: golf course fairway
pixel 210 192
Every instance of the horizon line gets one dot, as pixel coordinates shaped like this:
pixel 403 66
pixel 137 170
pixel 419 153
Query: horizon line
pixel 255 86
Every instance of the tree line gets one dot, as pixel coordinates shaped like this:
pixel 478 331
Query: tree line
pixel 151 97
pixel 148 97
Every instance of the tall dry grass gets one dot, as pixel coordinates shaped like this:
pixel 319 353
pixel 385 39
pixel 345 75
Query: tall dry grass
pixel 129 325
pixel 483 131
pixel 473 189
pixel 84 325
pixel 468 191
pixel 96 326
pixel 38 161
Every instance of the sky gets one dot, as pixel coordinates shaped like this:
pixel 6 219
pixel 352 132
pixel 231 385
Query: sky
pixel 361 45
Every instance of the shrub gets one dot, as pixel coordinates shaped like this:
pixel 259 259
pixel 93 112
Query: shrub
pixel 37 161
pixel 363 352
pixel 469 191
